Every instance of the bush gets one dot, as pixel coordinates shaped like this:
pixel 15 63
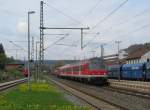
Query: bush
pixel 15 73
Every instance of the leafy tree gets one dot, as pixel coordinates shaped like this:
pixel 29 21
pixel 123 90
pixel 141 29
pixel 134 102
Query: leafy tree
pixel 10 59
pixel 2 57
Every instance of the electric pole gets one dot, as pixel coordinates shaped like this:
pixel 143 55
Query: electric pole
pixel 118 45
pixel 102 54
pixel 42 28
pixel 29 13
pixel 102 51
pixel 32 52
pixel 41 53
pixel 37 63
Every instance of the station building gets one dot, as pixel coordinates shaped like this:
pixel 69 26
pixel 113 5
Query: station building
pixel 139 56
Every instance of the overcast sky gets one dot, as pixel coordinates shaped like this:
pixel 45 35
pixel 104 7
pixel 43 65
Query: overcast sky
pixel 130 24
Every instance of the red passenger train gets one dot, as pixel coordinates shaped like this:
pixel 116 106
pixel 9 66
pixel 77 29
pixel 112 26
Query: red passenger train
pixel 25 72
pixel 92 71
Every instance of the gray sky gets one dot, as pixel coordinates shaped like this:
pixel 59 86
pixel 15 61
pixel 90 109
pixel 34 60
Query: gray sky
pixel 130 24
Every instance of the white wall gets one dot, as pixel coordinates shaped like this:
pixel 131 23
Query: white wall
pixel 145 57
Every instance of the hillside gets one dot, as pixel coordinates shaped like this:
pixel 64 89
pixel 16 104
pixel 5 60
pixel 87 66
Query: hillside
pixel 136 47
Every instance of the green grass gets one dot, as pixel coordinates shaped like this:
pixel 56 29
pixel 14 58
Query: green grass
pixel 43 96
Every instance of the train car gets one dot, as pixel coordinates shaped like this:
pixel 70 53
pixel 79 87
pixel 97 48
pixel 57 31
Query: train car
pixel 139 71
pixel 92 71
pixel 114 71
pixel 147 74
pixel 25 72
pixel 132 71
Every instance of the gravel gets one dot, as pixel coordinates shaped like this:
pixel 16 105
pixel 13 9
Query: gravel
pixel 127 101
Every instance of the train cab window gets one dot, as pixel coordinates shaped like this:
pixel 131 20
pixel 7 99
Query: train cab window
pixel 95 65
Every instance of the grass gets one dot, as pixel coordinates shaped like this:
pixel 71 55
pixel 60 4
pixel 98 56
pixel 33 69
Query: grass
pixel 43 96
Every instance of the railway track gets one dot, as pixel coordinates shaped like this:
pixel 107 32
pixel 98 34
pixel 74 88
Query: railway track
pixel 92 99
pixel 4 86
pixel 129 92
pixel 120 99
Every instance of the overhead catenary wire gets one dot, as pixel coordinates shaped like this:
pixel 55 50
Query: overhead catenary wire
pixel 69 45
pixel 136 30
pixel 54 43
pixel 106 17
pixel 57 34
pixel 64 14
pixel 110 14
pixel 95 6
pixel 90 41
pixel 136 15
pixel 17 45
pixel 90 11
pixel 133 18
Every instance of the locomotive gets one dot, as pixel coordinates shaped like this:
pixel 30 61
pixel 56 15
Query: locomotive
pixel 139 71
pixel 91 71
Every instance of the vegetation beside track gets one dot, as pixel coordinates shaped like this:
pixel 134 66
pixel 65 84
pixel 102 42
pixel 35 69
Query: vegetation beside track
pixel 42 96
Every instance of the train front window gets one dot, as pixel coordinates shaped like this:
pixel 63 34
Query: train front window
pixel 95 66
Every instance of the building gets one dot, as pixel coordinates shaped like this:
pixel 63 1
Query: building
pixel 113 59
pixel 139 56
pixel 11 66
pixel 123 54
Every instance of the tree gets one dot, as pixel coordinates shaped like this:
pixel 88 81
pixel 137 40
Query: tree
pixel 2 57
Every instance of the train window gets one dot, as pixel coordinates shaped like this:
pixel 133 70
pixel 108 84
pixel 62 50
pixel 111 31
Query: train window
pixel 95 65
pixel 76 69
pixel 68 69
pixel 82 67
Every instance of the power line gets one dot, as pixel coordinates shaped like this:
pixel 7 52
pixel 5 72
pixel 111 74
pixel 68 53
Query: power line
pixel 89 41
pixel 57 34
pixel 54 43
pixel 136 30
pixel 91 10
pixel 95 6
pixel 133 18
pixel 105 18
pixel 110 14
pixel 64 14
pixel 17 45
pixel 141 13
pixel 69 45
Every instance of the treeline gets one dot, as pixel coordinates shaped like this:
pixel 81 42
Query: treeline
pixel 5 74
pixel 136 47
pixel 3 58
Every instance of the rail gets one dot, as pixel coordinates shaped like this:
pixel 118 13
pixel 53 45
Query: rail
pixel 6 85
pixel 94 101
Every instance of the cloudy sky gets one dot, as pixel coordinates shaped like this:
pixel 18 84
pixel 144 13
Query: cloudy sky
pixel 109 21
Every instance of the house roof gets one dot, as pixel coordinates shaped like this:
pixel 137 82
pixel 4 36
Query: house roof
pixel 137 54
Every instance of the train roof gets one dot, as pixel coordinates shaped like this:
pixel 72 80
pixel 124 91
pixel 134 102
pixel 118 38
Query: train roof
pixel 133 65
pixel 74 64
pixel 82 62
